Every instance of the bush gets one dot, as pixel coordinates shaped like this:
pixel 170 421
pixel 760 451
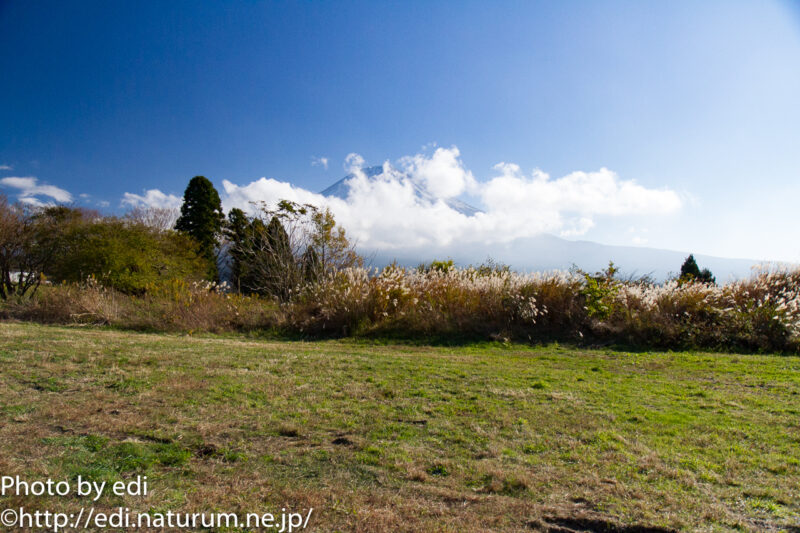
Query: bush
pixel 761 313
pixel 170 306
pixel 126 256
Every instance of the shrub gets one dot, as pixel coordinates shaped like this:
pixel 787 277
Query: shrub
pixel 31 239
pixel 126 256
pixel 760 313
pixel 171 306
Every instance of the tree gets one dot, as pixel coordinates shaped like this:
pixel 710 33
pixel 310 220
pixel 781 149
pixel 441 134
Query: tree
pixel 128 256
pixel 329 241
pixel 236 228
pixel 289 246
pixel 691 272
pixel 201 218
pixel 159 218
pixel 267 264
pixel 31 239
pixel 310 266
pixel 689 268
pixel 706 277
pixel 14 240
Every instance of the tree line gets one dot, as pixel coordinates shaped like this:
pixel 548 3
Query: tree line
pixel 272 251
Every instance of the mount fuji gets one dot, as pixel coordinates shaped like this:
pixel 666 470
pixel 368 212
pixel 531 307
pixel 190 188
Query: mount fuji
pixel 341 189
pixel 541 252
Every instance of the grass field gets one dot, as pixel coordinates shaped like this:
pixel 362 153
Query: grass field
pixel 406 438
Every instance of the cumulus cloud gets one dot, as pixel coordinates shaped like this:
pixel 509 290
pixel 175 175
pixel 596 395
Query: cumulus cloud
pixel 353 162
pixel 569 204
pixel 413 203
pixel 6 167
pixel 442 174
pixel 249 197
pixel 29 190
pixel 151 198
pixel 319 162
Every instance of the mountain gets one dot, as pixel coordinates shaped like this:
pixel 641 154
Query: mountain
pixel 547 252
pixel 340 189
pixel 543 252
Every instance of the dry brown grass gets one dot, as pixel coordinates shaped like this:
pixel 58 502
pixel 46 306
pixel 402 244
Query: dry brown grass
pixel 758 314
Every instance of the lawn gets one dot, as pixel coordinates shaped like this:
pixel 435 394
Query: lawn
pixel 406 438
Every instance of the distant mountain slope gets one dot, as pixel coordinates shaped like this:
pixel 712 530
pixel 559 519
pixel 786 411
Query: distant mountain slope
pixel 341 189
pixel 548 252
pixel 542 252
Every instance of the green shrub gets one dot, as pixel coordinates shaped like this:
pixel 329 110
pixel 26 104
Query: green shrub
pixel 125 256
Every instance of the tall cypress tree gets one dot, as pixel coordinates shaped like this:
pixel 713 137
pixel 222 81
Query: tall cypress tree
pixel 252 260
pixel 281 260
pixel 236 229
pixel 310 265
pixel 202 217
pixel 279 241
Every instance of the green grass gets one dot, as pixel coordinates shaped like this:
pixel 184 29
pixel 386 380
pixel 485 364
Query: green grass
pixel 399 437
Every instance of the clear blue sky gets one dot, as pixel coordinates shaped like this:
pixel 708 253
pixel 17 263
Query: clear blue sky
pixel 703 98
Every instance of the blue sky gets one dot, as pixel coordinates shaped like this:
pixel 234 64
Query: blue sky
pixel 699 99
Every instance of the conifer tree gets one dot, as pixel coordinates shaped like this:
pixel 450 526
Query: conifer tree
pixel 281 261
pixel 691 272
pixel 310 265
pixel 689 268
pixel 236 229
pixel 201 218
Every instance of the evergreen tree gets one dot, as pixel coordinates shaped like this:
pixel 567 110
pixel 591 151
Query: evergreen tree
pixel 281 261
pixel 689 268
pixel 311 265
pixel 278 240
pixel 283 249
pixel 691 272
pixel 706 277
pixel 252 252
pixel 201 218
pixel 236 229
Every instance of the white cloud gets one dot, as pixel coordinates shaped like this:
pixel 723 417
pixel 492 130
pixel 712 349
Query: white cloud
pixel 442 174
pixel 587 193
pixel 265 190
pixel 29 189
pixel 31 200
pixel 353 162
pixel 151 198
pixel 387 211
pixel 319 162
pixel 6 167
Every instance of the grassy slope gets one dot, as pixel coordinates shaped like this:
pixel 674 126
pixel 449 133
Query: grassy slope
pixel 380 438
